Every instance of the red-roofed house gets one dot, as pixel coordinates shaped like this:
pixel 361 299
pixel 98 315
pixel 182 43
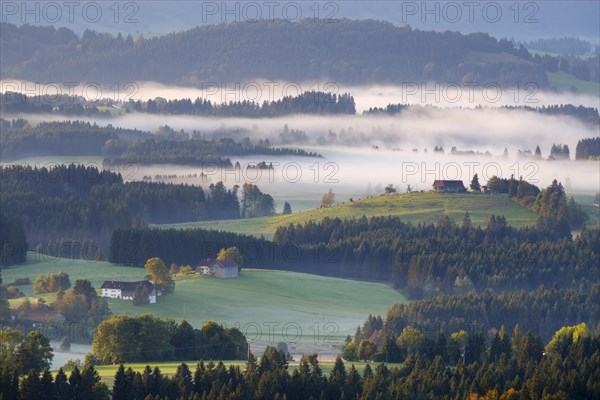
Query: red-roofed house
pixel 449 186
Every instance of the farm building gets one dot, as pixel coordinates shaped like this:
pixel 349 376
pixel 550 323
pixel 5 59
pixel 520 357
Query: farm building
pixel 125 290
pixel 449 186
pixel 220 269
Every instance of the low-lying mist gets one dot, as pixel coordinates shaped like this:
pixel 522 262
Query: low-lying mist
pixel 475 129
pixel 368 152
pixel 470 95
pixel 435 94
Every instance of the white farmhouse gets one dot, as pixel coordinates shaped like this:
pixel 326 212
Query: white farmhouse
pixel 125 290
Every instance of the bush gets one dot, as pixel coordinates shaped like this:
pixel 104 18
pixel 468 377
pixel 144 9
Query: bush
pixel 13 292
pixel 22 281
pixel 51 283
pixel 71 364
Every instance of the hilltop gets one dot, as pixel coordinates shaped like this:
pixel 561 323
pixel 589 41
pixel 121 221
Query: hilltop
pixel 409 207
pixel 345 52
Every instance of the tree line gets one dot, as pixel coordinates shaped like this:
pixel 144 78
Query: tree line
pixel 308 102
pixel 191 151
pixel 555 209
pixel 146 338
pixel 586 114
pixel 588 149
pixel 541 312
pixel 122 146
pixel 71 210
pixel 423 259
pixel 66 138
pixel 519 371
pixel 365 52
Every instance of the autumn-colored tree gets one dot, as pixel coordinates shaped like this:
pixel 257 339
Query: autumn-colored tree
pixel 160 275
pixel 231 254
pixel 327 199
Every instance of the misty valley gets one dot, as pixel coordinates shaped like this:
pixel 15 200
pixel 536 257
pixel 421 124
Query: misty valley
pixel 353 200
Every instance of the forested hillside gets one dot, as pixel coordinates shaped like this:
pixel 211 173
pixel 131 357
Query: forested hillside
pixel 124 147
pixel 351 52
pixel 67 208
pixel 423 260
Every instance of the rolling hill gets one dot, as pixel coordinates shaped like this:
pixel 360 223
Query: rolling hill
pixel 319 310
pixel 345 52
pixel 413 207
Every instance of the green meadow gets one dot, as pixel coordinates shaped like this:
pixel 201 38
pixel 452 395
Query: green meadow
pixel 564 82
pixel 265 304
pixel 409 207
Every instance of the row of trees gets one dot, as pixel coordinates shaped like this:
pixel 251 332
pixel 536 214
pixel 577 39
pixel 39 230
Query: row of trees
pixel 81 384
pixel 519 371
pixel 586 114
pixel 78 304
pixel 365 52
pixel 81 303
pixel 71 211
pixel 588 149
pixel 147 338
pixel 186 151
pixel 310 102
pixel 122 146
pixel 557 211
pixel 51 283
pixel 541 312
pixel 424 259
pixel 65 138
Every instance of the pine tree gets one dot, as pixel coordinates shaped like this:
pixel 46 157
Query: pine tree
pixel 46 385
pixel 121 386
pixel 183 378
pixel 75 383
pixel 475 186
pixel 30 386
pixel 61 386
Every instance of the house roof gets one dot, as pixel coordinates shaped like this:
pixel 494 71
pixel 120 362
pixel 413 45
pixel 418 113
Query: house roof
pixel 40 314
pixel 224 264
pixel 126 287
pixel 448 184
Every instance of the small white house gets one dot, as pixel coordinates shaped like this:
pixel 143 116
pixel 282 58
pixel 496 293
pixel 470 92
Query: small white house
pixel 204 269
pixel 125 290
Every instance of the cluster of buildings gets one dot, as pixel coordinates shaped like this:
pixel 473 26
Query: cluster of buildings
pixel 125 290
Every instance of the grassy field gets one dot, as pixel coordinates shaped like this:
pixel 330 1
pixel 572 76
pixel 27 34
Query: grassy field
pixel 319 309
pixel 564 82
pixel 316 309
pixel 95 271
pixel 413 207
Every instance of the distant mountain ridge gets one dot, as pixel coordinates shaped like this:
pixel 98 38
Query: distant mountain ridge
pixel 348 51
pixel 523 21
